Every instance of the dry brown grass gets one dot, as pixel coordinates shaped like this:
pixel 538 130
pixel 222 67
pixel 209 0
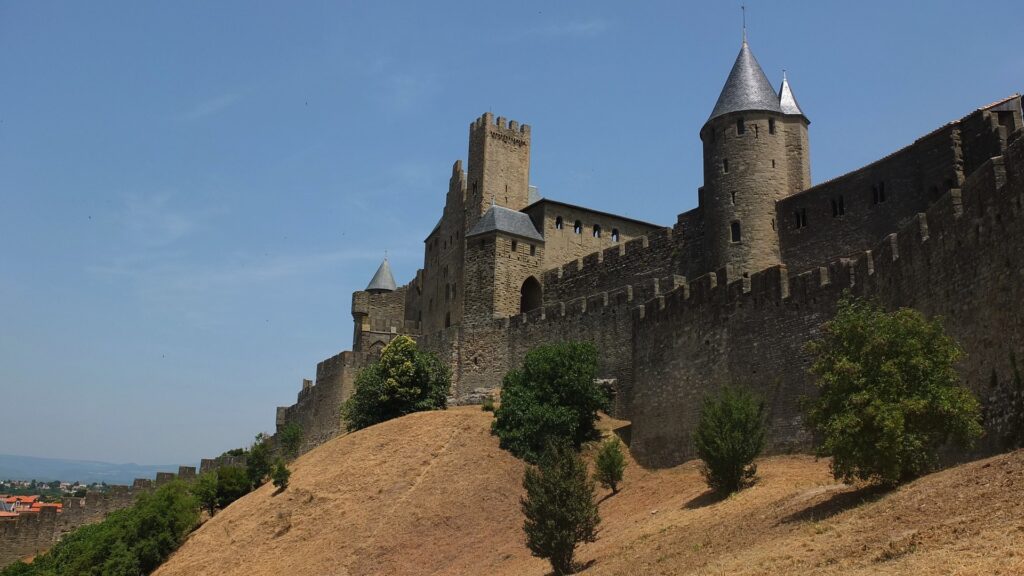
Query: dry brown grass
pixel 431 493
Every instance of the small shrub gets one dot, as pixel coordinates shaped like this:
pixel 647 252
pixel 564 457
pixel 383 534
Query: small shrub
pixel 291 439
pixel 553 396
pixel 559 507
pixel 257 463
pixel 280 475
pixel 610 463
pixel 488 404
pixel 403 381
pixel 890 396
pixel 205 491
pixel 232 484
pixel 729 435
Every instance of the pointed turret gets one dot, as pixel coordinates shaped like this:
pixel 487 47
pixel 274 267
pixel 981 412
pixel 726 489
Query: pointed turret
pixel 383 280
pixel 747 88
pixel 787 102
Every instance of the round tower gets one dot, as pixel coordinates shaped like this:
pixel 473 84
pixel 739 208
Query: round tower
pixel 749 163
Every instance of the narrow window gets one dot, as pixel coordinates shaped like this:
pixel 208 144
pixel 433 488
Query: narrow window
pixel 741 126
pixel 842 206
pixel 874 194
pixel 725 165
pixel 533 250
pixel 732 195
pixel 835 208
pixel 773 163
pixel 801 218
pixel 597 231
pixel 577 227
pixel 756 133
pixel 514 244
pixel 615 234
pixel 735 231
pixel 771 125
pixel 773 223
pixel 881 191
pixel 558 223
pixel 447 319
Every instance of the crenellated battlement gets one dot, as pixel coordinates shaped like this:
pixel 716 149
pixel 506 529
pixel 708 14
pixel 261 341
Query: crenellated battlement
pixel 500 126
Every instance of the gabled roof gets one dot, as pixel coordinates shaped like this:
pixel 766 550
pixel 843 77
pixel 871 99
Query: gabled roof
pixel 383 280
pixel 501 219
pixel 747 88
pixel 786 99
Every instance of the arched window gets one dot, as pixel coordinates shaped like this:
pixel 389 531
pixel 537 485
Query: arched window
pixel 597 230
pixel 735 228
pixel 615 234
pixel 530 295
pixel 559 224
pixel 578 227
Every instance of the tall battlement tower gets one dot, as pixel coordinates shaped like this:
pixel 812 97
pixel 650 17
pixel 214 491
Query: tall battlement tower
pixel 499 166
pixel 755 153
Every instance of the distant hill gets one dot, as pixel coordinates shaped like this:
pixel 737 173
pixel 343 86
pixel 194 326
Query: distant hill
pixel 84 471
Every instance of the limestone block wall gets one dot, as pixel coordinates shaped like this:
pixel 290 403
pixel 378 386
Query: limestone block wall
pixel 963 260
pixel 849 214
pixel 648 257
pixel 318 407
pixel 378 318
pixel 564 244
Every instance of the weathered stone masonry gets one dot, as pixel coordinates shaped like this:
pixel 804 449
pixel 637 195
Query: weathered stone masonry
pixel 732 292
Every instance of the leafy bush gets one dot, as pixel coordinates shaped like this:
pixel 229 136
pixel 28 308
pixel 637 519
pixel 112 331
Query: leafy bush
pixel 729 435
pixel 257 463
pixel 559 506
pixel 232 483
pixel 205 491
pixel 488 404
pixel 889 394
pixel 280 475
pixel 129 542
pixel 610 463
pixel 403 381
pixel 291 439
pixel 552 397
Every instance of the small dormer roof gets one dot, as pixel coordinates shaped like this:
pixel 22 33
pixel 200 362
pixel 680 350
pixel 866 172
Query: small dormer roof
pixel 383 280
pixel 501 219
pixel 747 88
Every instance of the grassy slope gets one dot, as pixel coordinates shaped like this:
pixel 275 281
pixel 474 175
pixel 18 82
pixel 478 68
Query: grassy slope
pixel 431 493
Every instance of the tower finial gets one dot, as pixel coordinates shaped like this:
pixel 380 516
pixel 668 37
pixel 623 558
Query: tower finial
pixel 385 253
pixel 743 8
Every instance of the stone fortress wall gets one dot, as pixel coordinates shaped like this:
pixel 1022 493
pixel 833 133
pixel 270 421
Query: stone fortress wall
pixel 32 533
pixel 731 293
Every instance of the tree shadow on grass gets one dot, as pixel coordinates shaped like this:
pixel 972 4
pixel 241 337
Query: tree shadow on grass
pixel 705 499
pixel 837 503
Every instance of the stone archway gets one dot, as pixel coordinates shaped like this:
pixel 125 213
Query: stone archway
pixel 531 295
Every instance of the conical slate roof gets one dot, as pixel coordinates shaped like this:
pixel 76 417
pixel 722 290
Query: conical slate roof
pixel 383 280
pixel 786 99
pixel 501 219
pixel 747 88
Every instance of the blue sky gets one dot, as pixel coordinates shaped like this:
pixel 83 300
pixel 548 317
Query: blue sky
pixel 190 191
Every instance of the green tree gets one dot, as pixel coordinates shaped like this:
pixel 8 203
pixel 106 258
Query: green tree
pixel 257 462
pixel 552 396
pixel 280 475
pixel 232 483
pixel 890 396
pixel 610 464
pixel 291 439
pixel 403 381
pixel 559 506
pixel 205 491
pixel 729 435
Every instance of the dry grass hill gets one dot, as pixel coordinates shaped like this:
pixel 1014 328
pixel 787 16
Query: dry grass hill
pixel 432 493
